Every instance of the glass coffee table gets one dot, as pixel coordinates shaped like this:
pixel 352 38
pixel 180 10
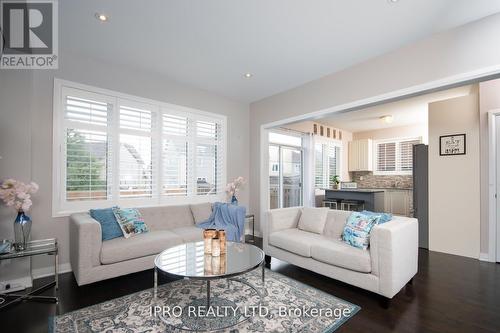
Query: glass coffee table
pixel 188 261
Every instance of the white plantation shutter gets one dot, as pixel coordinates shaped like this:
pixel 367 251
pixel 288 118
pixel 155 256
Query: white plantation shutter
pixel 136 151
pixel 208 158
pixel 327 164
pixel 85 148
pixel 395 156
pixel 116 150
pixel 386 156
pixel 175 155
pixel 333 162
pixel 319 175
pixel 406 154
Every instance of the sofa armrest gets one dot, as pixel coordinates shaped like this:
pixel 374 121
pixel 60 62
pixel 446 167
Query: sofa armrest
pixel 85 244
pixel 280 219
pixel 394 253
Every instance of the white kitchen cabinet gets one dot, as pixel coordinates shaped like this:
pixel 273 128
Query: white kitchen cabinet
pixel 361 155
pixel 399 202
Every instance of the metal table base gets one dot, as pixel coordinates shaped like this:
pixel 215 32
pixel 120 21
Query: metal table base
pixel 260 294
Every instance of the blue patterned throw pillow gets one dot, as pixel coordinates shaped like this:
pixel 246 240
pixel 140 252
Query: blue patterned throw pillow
pixel 130 221
pixel 109 226
pixel 384 217
pixel 357 230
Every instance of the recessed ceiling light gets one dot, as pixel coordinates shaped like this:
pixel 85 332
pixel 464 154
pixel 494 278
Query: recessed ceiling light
pixel 248 75
pixel 387 119
pixel 102 17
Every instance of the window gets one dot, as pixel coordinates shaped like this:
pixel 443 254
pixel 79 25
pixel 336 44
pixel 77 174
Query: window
pixel 114 149
pixel 395 156
pixel 327 164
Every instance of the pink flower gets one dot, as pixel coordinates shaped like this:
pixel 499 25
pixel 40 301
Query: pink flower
pixel 17 194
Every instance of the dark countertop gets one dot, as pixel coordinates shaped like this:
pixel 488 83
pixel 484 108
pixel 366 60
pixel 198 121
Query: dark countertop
pixel 358 190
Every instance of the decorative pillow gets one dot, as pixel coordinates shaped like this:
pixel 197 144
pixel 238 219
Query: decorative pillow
pixel 130 221
pixel 357 230
pixel 313 219
pixel 384 217
pixel 109 226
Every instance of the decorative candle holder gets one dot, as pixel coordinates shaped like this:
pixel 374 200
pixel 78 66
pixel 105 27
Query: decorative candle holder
pixel 223 263
pixel 208 234
pixel 215 247
pixel 207 264
pixel 222 236
pixel 216 265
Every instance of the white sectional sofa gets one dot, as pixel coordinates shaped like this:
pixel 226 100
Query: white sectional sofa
pixel 385 268
pixel 93 259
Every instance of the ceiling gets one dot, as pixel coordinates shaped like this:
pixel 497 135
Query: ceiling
pixel 410 111
pixel 283 43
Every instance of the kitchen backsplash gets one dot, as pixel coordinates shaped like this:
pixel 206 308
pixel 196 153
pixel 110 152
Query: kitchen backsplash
pixel 378 181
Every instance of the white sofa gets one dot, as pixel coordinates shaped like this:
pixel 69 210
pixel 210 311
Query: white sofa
pixel 385 268
pixel 93 259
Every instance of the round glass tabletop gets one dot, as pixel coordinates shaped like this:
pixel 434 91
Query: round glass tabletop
pixel 190 261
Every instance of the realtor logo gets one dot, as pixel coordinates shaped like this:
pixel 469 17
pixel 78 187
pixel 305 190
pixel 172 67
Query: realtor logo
pixel 29 34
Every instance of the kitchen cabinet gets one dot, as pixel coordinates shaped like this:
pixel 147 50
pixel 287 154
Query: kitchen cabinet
pixel 399 202
pixel 361 155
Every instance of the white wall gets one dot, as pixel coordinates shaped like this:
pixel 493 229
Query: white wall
pixel 454 188
pixel 15 140
pixel 26 123
pixel 463 51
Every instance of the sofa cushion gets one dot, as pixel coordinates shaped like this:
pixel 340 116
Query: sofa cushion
pixel 121 249
pixel 189 234
pixel 313 219
pixel 201 212
pixel 295 240
pixel 335 222
pixel 338 253
pixel 167 217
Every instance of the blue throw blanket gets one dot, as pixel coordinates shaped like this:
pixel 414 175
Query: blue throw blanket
pixel 227 217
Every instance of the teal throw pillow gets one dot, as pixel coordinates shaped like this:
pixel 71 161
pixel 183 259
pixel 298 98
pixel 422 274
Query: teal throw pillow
pixel 130 221
pixel 109 226
pixel 384 217
pixel 357 230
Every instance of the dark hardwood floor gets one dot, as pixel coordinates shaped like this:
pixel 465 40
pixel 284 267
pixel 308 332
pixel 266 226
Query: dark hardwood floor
pixel 449 294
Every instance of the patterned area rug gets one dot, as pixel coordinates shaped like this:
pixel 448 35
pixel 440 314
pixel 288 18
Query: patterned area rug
pixel 284 305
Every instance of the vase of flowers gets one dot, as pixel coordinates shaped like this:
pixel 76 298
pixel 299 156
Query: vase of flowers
pixel 233 188
pixel 17 195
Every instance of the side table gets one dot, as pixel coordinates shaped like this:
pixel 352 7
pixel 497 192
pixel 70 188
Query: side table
pixel 34 248
pixel 252 217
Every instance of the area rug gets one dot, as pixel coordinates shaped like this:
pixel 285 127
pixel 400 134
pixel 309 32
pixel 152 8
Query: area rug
pixel 281 305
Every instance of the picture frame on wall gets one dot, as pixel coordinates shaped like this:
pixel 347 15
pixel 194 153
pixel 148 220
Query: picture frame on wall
pixel 450 145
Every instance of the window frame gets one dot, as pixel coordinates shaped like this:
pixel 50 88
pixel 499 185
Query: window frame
pixel 398 171
pixel 61 207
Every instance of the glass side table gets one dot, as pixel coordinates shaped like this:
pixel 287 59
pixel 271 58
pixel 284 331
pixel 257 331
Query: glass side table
pixel 34 248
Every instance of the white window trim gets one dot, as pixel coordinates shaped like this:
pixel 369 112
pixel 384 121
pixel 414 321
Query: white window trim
pixel 60 207
pixel 398 171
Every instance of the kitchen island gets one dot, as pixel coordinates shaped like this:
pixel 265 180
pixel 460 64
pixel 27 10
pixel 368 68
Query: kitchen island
pixel 373 198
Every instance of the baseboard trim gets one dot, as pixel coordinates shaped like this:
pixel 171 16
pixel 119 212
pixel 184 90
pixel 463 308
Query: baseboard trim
pixel 49 270
pixel 485 257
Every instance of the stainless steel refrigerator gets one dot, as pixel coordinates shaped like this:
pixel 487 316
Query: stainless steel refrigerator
pixel 421 192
